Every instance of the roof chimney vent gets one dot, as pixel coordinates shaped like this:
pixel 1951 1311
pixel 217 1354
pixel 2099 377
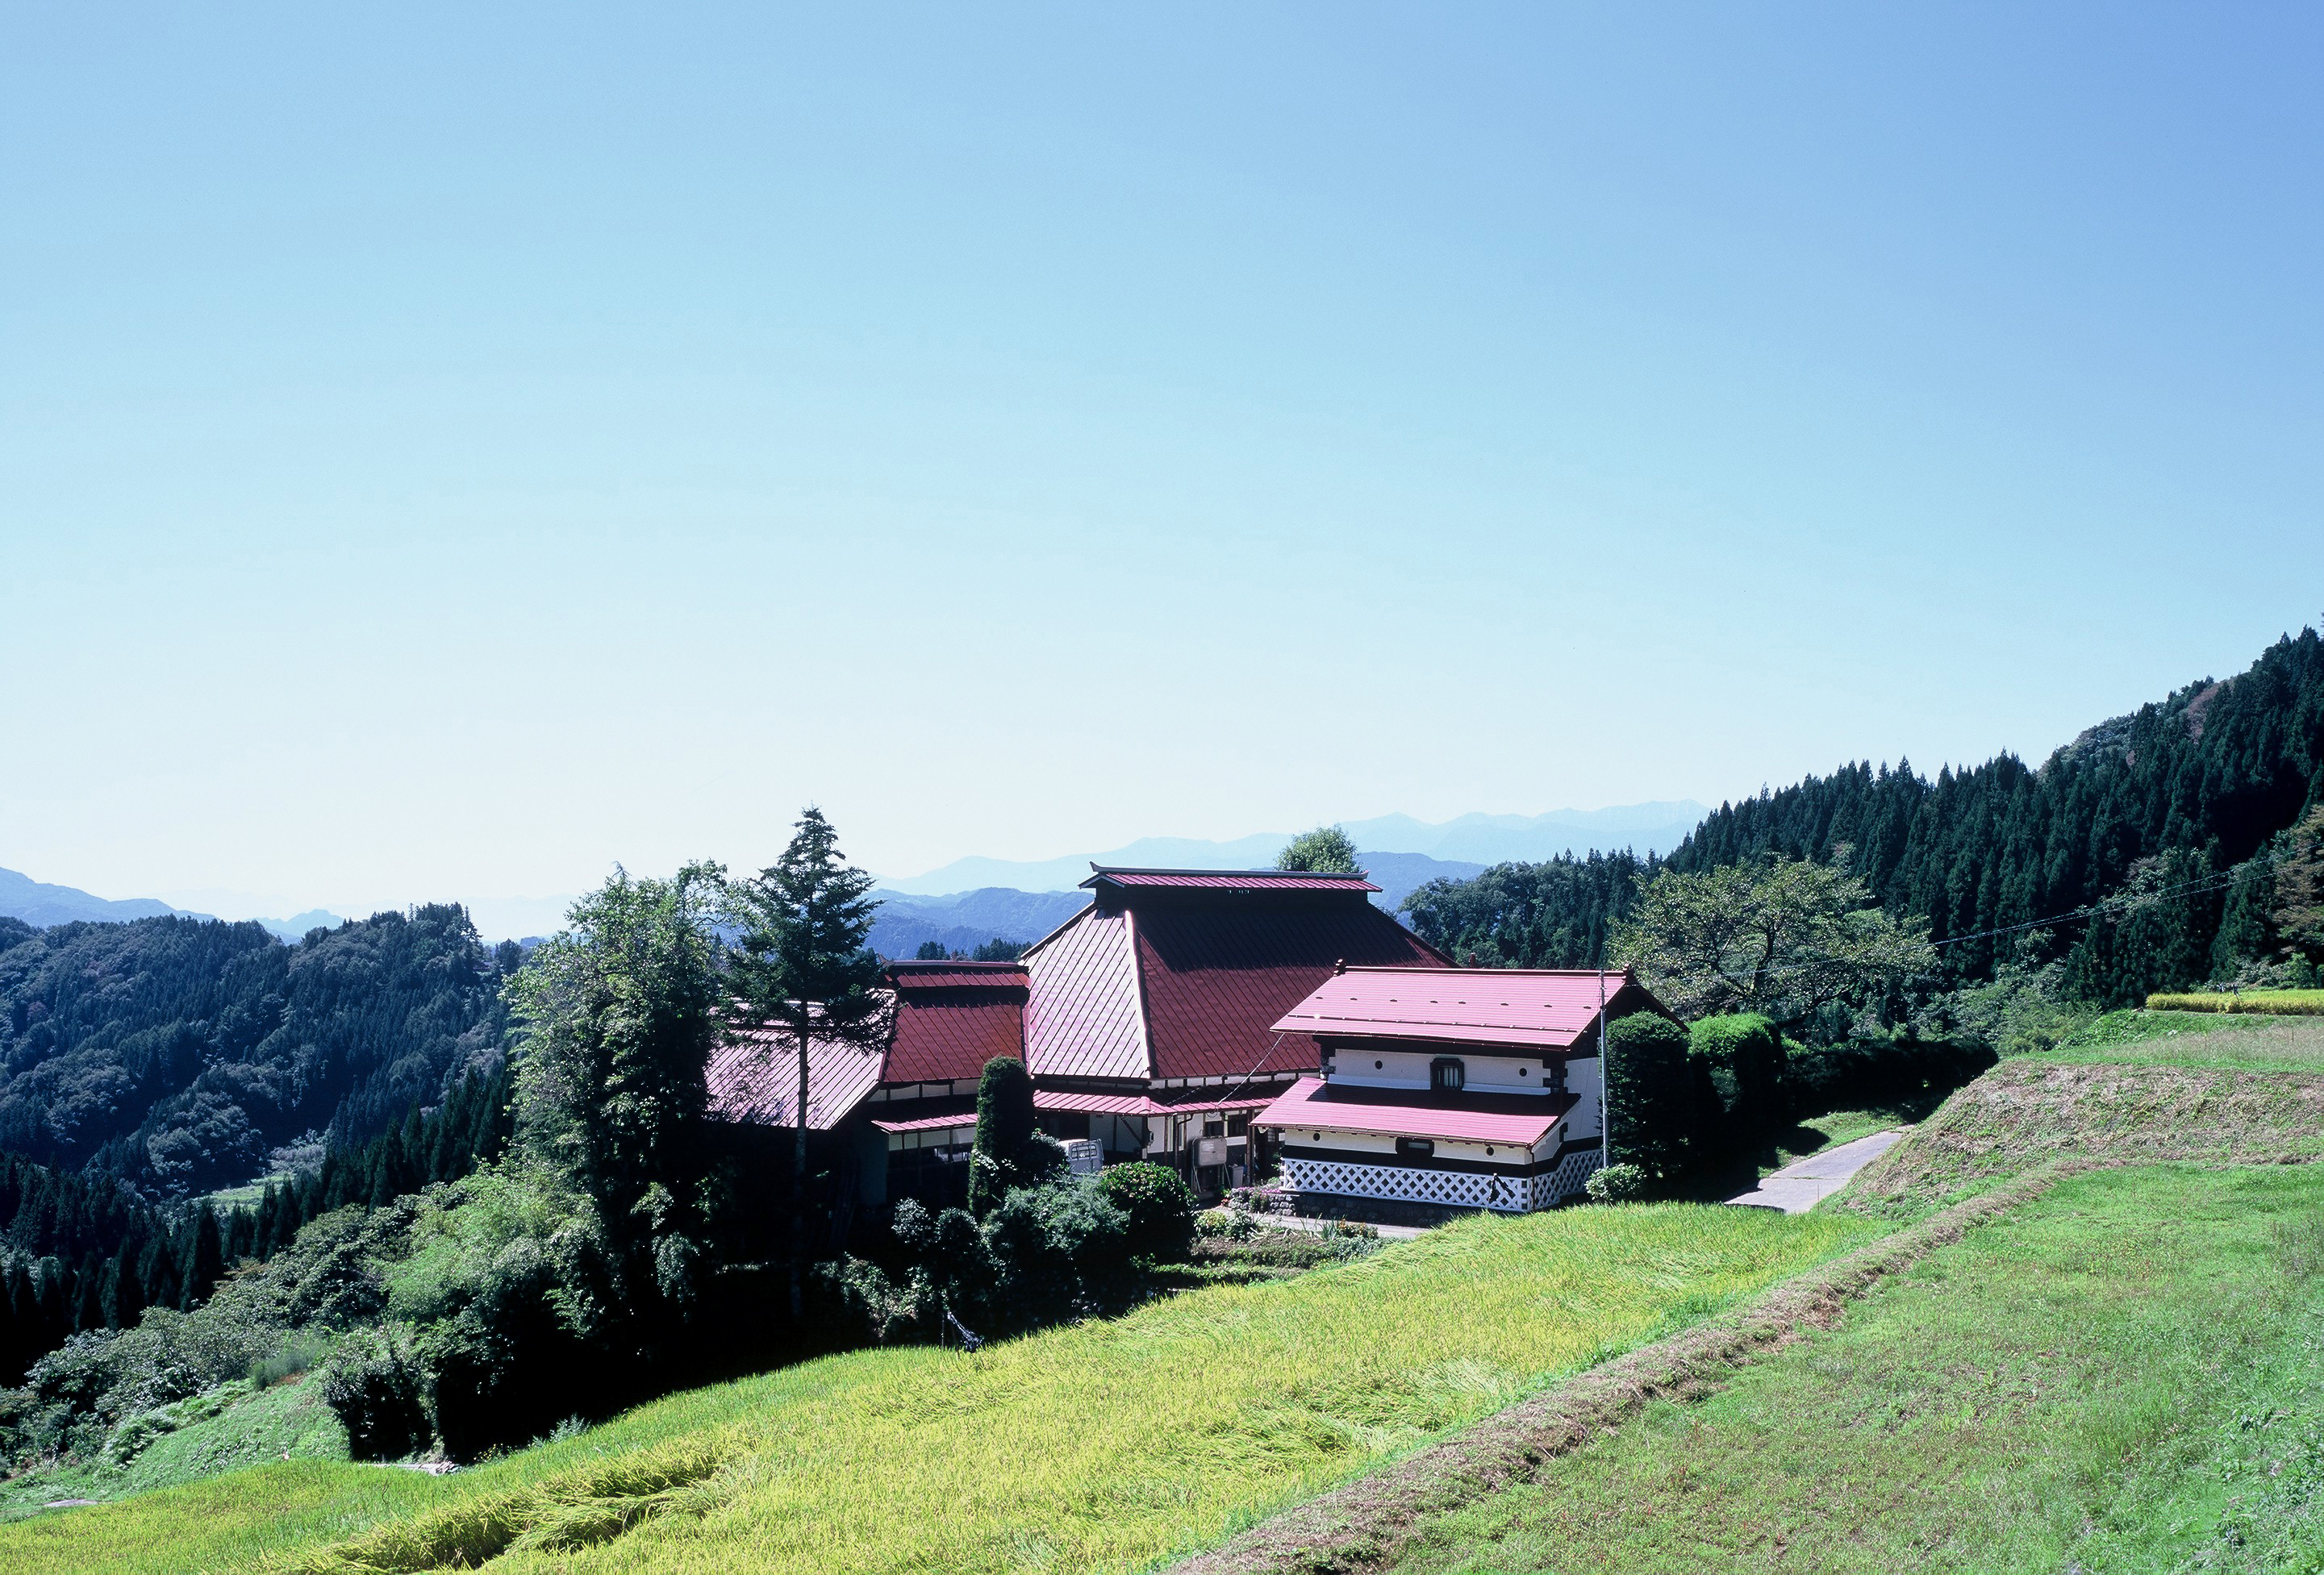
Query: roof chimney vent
pixel 1339 966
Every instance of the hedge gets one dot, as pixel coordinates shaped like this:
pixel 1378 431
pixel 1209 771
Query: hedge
pixel 2297 1003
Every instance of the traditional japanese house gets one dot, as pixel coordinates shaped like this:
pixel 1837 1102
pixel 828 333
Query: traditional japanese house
pixel 893 1107
pixel 1155 1020
pixel 1468 1088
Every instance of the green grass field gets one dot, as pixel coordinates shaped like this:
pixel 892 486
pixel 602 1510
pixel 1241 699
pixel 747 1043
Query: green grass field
pixel 289 1419
pixel 1103 1446
pixel 2198 1039
pixel 2127 1375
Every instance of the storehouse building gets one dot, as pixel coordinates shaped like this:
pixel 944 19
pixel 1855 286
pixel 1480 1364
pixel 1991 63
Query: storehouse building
pixel 1467 1087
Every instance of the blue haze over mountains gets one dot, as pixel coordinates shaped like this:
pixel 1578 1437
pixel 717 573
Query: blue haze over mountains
pixel 974 900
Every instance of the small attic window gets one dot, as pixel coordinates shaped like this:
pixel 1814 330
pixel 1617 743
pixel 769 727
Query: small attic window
pixel 1447 1075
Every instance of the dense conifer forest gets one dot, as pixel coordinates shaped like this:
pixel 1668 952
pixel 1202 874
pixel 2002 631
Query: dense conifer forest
pixel 177 1055
pixel 2184 840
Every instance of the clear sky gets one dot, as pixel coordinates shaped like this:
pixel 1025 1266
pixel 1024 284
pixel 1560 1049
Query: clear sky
pixel 445 450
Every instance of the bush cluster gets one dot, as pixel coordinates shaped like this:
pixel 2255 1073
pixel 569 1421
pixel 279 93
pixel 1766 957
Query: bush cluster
pixel 1044 1254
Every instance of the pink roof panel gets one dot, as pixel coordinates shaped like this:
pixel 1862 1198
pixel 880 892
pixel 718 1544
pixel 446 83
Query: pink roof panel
pixel 1521 1009
pixel 927 1123
pixel 1523 1119
pixel 1098 1104
pixel 755 1082
pixel 1084 1018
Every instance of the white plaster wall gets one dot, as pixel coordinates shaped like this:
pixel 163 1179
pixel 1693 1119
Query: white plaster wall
pixel 1581 1082
pixel 1446 1147
pixel 1409 1070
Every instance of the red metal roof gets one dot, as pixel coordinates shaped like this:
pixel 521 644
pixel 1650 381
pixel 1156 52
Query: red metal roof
pixel 1519 1008
pixel 951 1018
pixel 1523 1119
pixel 955 973
pixel 1228 880
pixel 1217 977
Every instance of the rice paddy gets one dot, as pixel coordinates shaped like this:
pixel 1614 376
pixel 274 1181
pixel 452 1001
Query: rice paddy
pixel 1105 1446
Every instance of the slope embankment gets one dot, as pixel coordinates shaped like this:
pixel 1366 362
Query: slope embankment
pixel 2140 1092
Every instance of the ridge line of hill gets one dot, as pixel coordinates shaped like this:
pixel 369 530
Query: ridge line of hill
pixel 1363 1525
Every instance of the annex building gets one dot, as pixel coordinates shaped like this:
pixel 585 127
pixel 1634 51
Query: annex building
pixel 1462 1087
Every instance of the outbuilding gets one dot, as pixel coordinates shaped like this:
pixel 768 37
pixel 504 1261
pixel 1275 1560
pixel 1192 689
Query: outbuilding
pixel 1455 1087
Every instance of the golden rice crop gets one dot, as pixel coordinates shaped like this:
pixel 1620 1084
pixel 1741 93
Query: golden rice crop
pixel 1103 1446
pixel 2295 1003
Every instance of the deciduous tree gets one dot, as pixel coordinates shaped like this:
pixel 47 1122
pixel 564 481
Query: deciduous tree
pixel 1777 936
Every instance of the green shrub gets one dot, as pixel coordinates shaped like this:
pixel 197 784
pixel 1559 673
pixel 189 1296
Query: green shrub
pixel 1160 1206
pixel 1649 1094
pixel 1057 1252
pixel 1225 1224
pixel 1740 1085
pixel 378 1388
pixel 1615 1184
pixel 1010 1151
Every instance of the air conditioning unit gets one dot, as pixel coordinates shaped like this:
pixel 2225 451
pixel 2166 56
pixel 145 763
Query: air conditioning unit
pixel 1084 1156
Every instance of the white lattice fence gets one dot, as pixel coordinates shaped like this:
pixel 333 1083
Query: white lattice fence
pixel 1567 1179
pixel 1413 1184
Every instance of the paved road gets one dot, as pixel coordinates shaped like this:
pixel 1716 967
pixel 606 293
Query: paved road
pixel 1803 1183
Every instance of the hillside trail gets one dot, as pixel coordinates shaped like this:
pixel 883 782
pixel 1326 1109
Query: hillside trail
pixel 1803 1183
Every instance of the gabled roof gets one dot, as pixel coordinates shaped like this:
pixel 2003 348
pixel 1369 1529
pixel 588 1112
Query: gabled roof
pixel 1102 876
pixel 1522 1119
pixel 1190 984
pixel 940 1023
pixel 1521 1009
pixel 952 1017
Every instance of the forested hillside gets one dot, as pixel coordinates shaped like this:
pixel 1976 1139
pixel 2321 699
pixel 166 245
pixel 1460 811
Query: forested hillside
pixel 176 1053
pixel 2193 821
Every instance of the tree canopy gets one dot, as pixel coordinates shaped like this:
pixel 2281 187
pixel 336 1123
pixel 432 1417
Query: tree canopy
pixel 1780 937
pixel 1325 851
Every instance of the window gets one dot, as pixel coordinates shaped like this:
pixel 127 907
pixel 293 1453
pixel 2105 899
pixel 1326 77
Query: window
pixel 1414 1148
pixel 1447 1076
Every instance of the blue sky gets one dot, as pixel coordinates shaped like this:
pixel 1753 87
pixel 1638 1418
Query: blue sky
pixel 443 454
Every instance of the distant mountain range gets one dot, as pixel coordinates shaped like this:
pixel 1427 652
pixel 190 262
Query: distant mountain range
pixel 965 920
pixel 38 903
pixel 1482 840
pixel 974 900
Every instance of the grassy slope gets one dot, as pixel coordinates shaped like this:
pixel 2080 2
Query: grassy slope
pixel 288 1419
pixel 2136 1086
pixel 1103 1446
pixel 2128 1375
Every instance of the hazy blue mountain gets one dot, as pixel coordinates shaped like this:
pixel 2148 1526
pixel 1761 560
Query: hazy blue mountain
pixel 296 926
pixel 1398 875
pixel 1471 838
pixel 964 920
pixel 37 903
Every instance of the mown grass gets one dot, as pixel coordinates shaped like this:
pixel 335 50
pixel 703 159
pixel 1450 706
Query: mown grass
pixel 2134 1087
pixel 1105 1446
pixel 2198 1039
pixel 2127 1375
